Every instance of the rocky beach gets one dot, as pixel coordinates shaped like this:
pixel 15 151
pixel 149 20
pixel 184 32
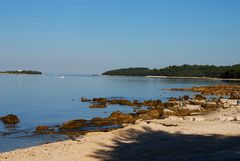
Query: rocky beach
pixel 184 128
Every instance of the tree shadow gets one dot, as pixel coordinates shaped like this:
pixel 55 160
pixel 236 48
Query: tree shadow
pixel 150 145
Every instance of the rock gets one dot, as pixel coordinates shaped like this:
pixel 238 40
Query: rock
pixel 10 119
pixel 120 102
pixel 85 99
pixel 140 121
pixel 121 117
pixel 169 104
pixel 172 99
pixel 42 129
pixel 227 103
pixel 226 118
pixel 210 105
pixel 186 97
pixel 235 95
pixel 198 102
pixel 153 103
pixel 73 124
pixel 100 100
pixel 191 107
pixel 168 112
pixel 97 105
pixel 199 97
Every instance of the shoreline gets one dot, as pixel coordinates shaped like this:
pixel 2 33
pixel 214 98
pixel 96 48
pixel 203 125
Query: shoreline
pixel 172 77
pixel 201 78
pixel 149 135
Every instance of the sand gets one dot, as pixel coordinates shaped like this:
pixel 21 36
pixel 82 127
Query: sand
pixel 206 138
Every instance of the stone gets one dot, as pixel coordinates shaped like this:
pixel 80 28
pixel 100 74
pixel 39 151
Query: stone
pixel 42 129
pixel 73 124
pixel 191 107
pixel 226 118
pixel 199 97
pixel 85 99
pixel 168 112
pixel 10 119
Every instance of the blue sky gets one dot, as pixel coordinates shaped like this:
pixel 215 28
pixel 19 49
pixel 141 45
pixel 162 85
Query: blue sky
pixel 91 36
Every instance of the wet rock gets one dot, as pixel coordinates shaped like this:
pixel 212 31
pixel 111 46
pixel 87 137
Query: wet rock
pixel 150 114
pixel 172 99
pixel 153 103
pixel 186 97
pixel 10 119
pixel 73 124
pixel 98 105
pixel 169 104
pixel 235 95
pixel 121 117
pixel 42 129
pixel 198 102
pixel 100 100
pixel 83 99
pixel 120 102
pixel 199 97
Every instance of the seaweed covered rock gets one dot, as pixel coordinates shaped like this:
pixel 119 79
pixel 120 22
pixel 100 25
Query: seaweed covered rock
pixel 153 103
pixel 199 97
pixel 120 117
pixel 41 129
pixel 73 124
pixel 83 99
pixel 10 119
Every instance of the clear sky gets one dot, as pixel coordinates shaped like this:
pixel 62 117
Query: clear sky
pixel 91 36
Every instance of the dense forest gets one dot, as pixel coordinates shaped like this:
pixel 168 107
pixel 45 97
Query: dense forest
pixel 182 71
pixel 21 72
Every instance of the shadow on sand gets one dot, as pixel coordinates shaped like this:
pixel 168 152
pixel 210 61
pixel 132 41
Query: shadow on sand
pixel 161 146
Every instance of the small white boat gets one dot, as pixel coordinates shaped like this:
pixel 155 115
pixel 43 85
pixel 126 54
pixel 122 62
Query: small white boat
pixel 61 77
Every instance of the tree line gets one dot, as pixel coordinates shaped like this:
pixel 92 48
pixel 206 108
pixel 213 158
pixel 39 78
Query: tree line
pixel 185 70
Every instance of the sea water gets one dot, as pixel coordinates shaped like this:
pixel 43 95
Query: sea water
pixel 51 100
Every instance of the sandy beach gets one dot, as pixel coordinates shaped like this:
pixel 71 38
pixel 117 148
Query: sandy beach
pixel 211 137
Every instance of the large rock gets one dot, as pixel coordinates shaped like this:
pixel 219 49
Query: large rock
pixel 10 119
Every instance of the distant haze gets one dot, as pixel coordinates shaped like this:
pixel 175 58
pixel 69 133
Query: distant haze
pixel 92 36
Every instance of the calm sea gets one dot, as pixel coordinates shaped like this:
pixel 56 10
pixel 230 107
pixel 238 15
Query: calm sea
pixel 51 100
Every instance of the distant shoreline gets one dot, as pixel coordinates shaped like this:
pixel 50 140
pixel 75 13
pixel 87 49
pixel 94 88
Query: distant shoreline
pixel 203 78
pixel 21 72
